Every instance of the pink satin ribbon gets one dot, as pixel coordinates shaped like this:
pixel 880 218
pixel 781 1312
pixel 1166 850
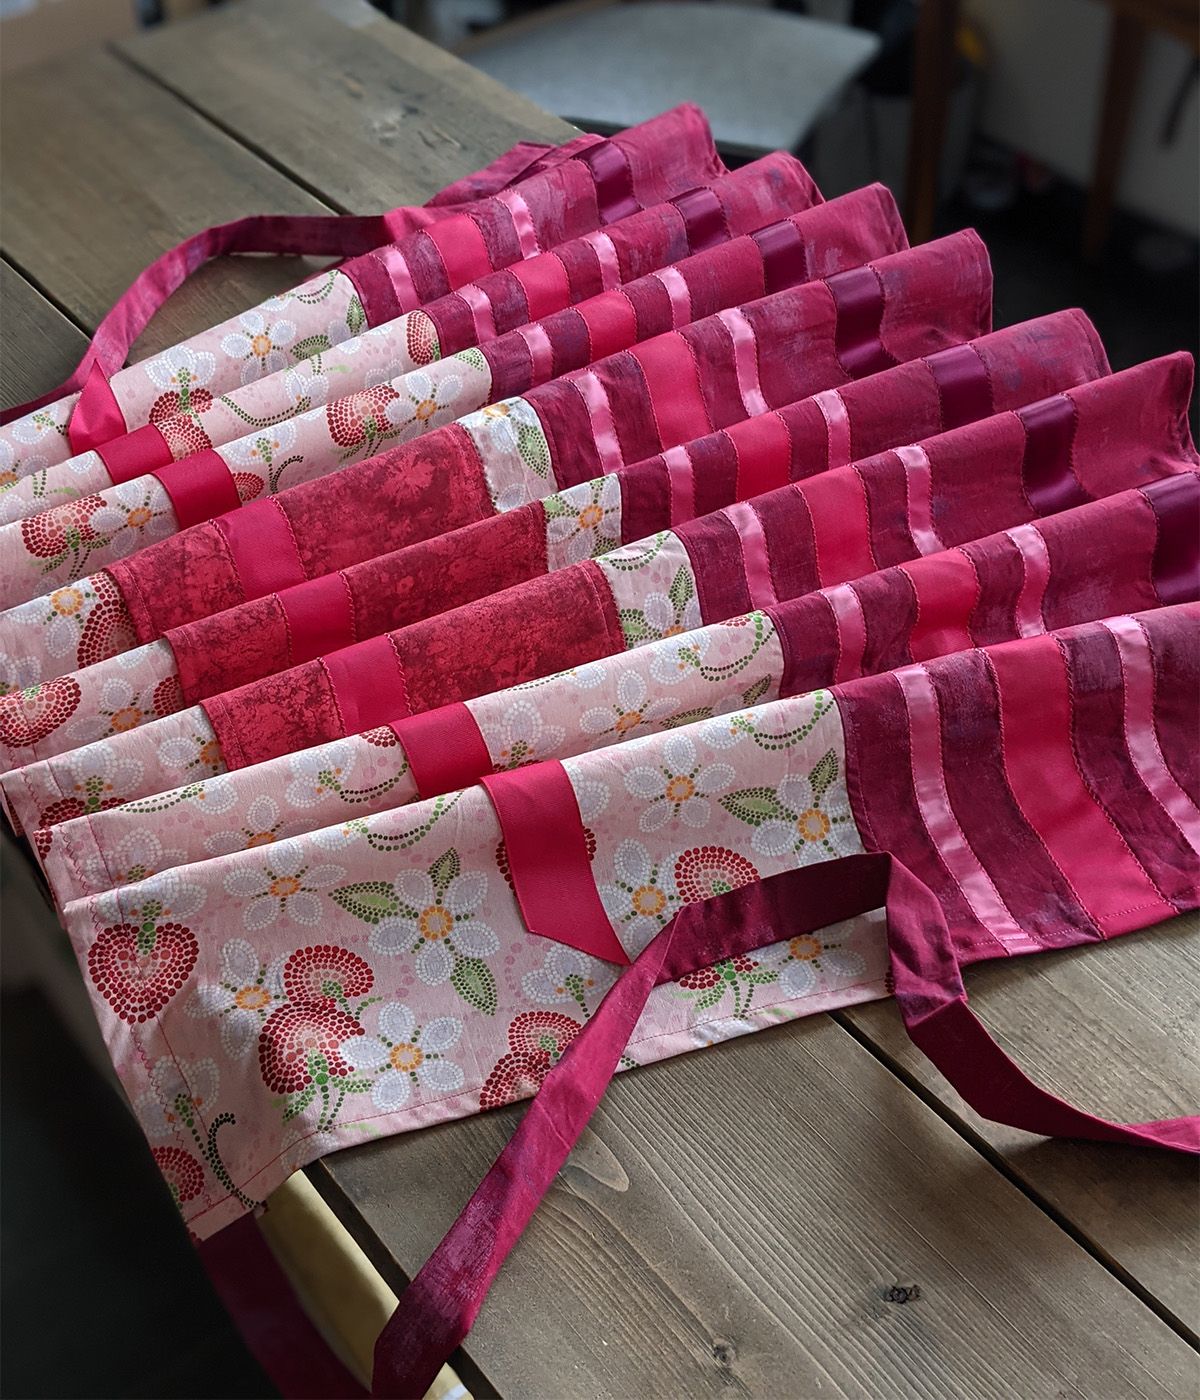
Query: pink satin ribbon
pixel 851 627
pixel 756 563
pixel 262 548
pixel 201 487
pixel 838 452
pixel 745 361
pixel 1035 562
pixel 918 484
pixel 135 454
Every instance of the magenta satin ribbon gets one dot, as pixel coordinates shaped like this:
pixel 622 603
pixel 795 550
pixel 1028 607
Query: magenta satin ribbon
pixel 964 389
pixel 1176 568
pixel 97 416
pixel 437 1309
pixel 444 748
pixel 548 858
pixel 703 219
pixel 858 296
pixel 1048 472
pixel 784 255
pixel 133 454
pixel 201 487
pixel 367 682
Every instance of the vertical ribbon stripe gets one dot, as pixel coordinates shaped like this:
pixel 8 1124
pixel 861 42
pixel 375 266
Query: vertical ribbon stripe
pixel 96 417
pixel 1035 711
pixel 947 590
pixel 263 548
pixel 611 323
pixel 522 221
pixel 200 487
pixel 607 257
pixel 481 311
pixel 1175 501
pixel 541 352
pixel 613 178
pixel 461 247
pixel 841 524
pixel 918 486
pixel 784 255
pixel 678 293
pixel 964 389
pixel 673 383
pixel 545 284
pixel 367 681
pixel 1137 668
pixel 681 485
pixel 1035 561
pixel 1047 470
pixel 745 360
pixel 319 616
pixel 851 626
pixel 703 219
pixel 444 748
pixel 764 454
pixel 756 561
pixel 859 301
pixel 838 451
pixel 548 860
pixel 394 264
pixel 134 454
pixel 599 411
pixel 929 784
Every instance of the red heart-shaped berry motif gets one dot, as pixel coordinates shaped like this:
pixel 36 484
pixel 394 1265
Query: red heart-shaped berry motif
pixel 137 973
pixel 357 416
pixel 420 337
pixel 47 535
pixel 27 716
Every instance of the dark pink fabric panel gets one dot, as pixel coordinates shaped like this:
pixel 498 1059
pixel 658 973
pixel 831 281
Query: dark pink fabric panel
pixel 177 579
pixel 230 648
pixel 716 558
pixel 444 748
pixel 278 714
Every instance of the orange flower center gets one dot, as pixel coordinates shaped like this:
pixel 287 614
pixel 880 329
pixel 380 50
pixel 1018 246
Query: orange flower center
pixel 590 516
pixel 406 1058
pixel 127 717
pixel 426 409
pixel 210 753
pixel 629 720
pixel 260 344
pixel 805 948
pixel 251 998
pixel 284 885
pixel 435 922
pixel 8 478
pixel 138 517
pixel 648 899
pixel 680 788
pixel 673 631
pixel 260 838
pixel 813 825
pixel 66 601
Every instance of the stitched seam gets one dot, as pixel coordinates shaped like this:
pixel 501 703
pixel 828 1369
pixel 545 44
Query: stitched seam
pixel 333 695
pixel 341 573
pixel 867 517
pixel 1092 793
pixel 404 700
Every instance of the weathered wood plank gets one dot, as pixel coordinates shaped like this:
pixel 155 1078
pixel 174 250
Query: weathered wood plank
pixel 1113 1029
pixel 360 109
pixel 737 1221
pixel 39 347
pixel 103 170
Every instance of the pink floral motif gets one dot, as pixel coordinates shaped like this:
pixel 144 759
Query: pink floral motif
pixel 536 1042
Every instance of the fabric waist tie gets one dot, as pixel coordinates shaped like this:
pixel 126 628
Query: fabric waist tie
pixel 97 417
pixel 437 1309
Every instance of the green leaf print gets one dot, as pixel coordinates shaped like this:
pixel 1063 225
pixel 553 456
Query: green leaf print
pixel 754 805
pixel 445 869
pixel 681 590
pixel 356 317
pixel 311 345
pixel 372 901
pixel 824 773
pixel 472 979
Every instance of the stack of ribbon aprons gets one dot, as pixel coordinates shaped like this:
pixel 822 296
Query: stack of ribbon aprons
pixel 636 605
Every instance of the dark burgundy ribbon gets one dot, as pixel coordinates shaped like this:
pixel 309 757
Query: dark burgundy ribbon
pixel 784 255
pixel 703 219
pixel 1176 567
pixel 437 1309
pixel 964 389
pixel 858 296
pixel 613 179
pixel 1049 476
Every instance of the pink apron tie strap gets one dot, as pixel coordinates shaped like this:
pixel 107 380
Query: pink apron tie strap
pixel 437 1309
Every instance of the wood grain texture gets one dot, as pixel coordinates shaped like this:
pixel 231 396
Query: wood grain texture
pixel 1113 1029
pixel 38 347
pixel 737 1221
pixel 103 171
pixel 359 109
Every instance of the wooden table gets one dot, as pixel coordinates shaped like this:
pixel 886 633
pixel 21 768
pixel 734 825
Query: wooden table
pixel 806 1212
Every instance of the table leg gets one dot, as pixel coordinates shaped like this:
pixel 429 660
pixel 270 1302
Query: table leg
pixel 1126 40
pixel 933 73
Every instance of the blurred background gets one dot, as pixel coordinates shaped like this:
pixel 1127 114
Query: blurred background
pixel 1067 131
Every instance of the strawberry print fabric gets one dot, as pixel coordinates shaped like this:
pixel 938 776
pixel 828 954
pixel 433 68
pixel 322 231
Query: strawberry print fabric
pixel 751 633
